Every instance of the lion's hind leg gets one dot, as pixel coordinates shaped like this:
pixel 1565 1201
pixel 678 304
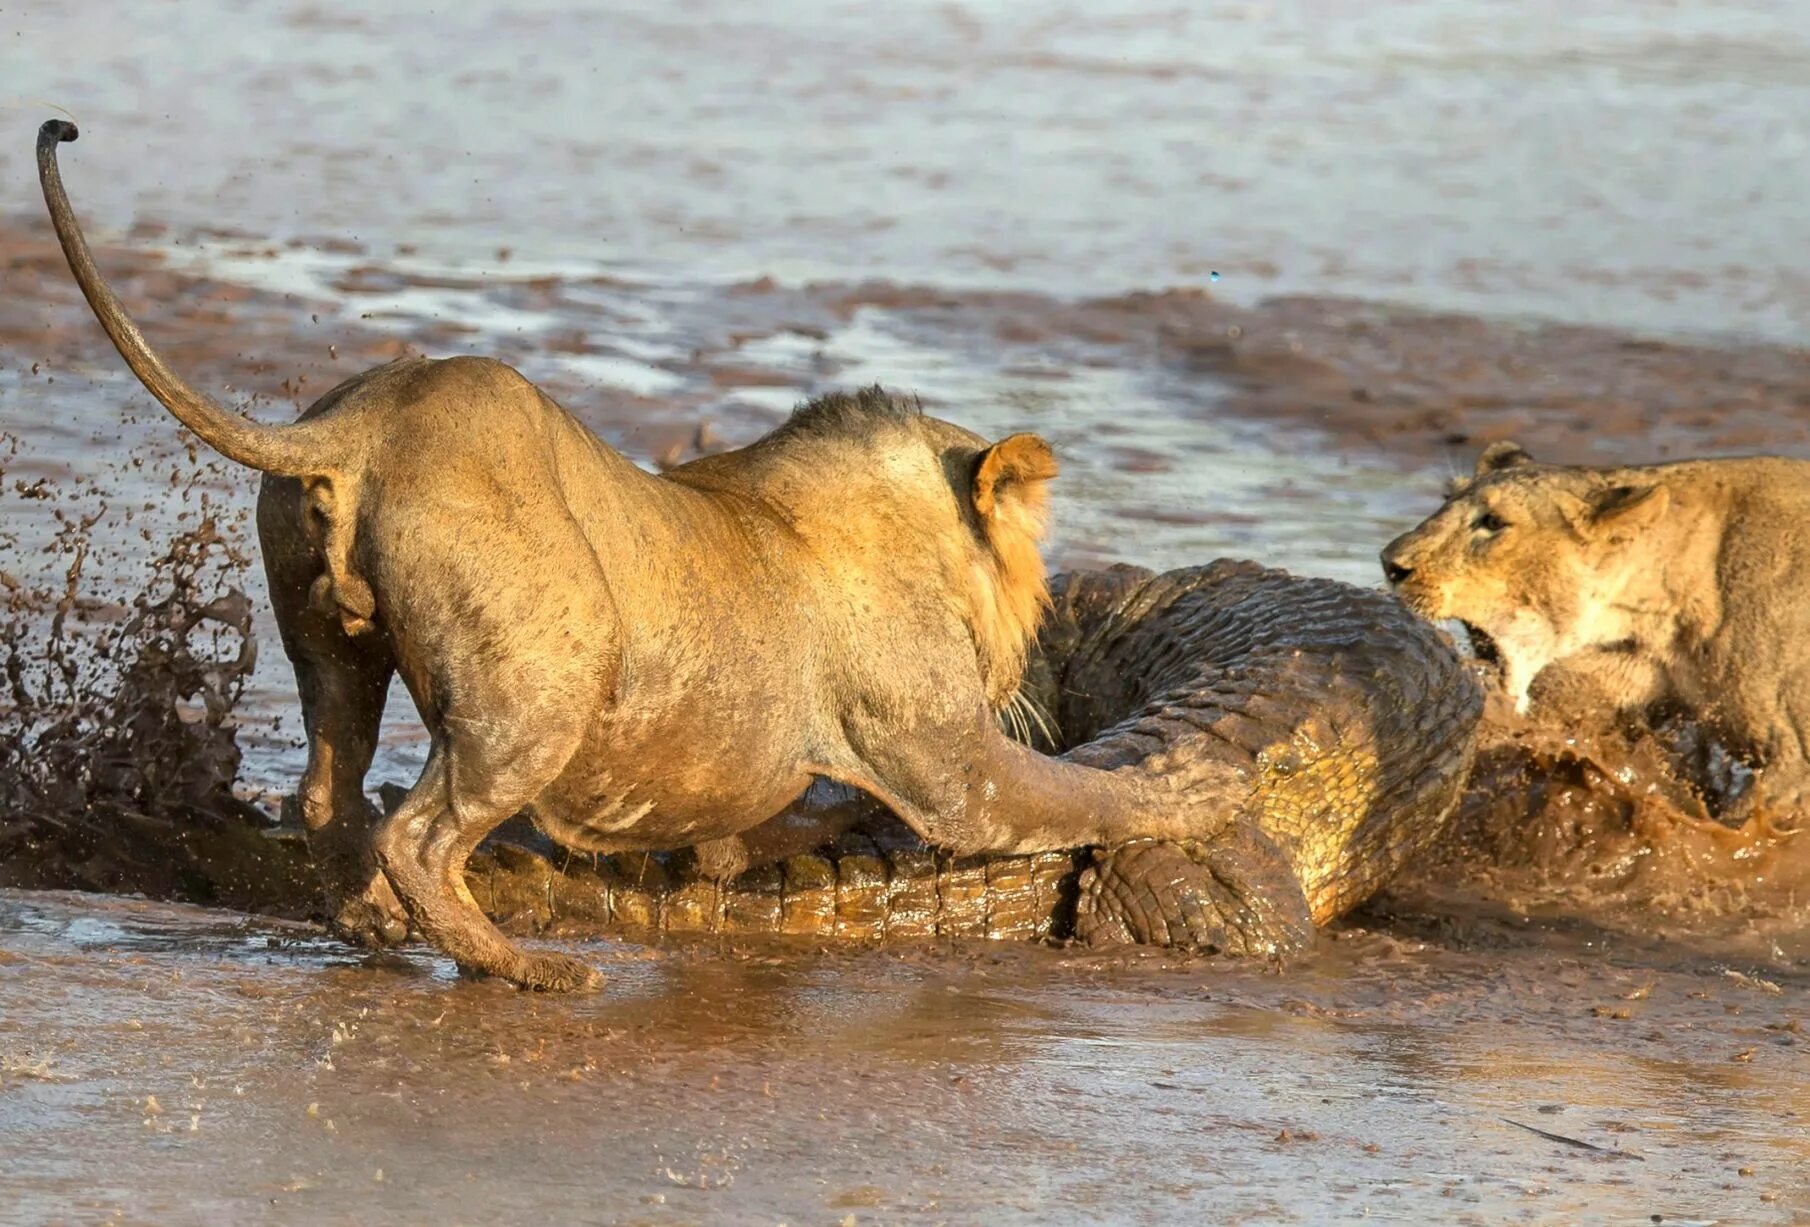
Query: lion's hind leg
pixel 508 638
pixel 479 774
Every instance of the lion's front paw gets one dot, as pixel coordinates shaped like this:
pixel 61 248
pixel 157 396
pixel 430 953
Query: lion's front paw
pixel 1233 894
pixel 557 973
pixel 372 918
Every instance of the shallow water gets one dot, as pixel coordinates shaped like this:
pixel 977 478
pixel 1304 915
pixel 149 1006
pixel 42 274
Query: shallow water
pixel 1632 163
pixel 233 1071
pixel 592 196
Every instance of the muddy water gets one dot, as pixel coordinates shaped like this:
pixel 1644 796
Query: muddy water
pixel 1633 163
pixel 690 216
pixel 233 1071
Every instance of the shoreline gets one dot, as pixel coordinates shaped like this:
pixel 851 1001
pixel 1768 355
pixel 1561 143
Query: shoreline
pixel 1413 387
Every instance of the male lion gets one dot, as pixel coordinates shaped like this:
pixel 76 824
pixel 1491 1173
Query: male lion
pixel 638 661
pixel 1677 585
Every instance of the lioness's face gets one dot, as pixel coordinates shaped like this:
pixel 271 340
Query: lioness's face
pixel 1529 557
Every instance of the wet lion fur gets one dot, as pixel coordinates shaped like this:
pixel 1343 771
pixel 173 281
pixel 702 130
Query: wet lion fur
pixel 638 661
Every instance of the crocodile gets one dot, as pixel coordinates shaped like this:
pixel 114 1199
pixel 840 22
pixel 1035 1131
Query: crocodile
pixel 1348 722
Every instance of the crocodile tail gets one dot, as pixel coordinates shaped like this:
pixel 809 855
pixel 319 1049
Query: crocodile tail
pixel 297 450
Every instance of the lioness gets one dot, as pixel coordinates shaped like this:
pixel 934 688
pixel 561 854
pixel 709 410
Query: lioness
pixel 638 661
pixel 1685 585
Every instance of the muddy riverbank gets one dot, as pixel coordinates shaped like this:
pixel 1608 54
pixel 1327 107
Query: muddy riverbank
pixel 1408 385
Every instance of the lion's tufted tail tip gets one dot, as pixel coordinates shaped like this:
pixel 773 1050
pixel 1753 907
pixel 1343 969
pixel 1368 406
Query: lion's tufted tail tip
pixel 57 130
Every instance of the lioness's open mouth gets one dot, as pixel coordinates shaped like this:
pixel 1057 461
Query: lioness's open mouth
pixel 1482 646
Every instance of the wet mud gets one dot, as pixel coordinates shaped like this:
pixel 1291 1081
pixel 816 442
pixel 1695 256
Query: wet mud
pixel 1585 825
pixel 244 1070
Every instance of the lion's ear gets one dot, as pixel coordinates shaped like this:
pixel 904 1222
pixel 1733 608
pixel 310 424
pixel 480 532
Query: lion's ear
pixel 1013 468
pixel 1502 455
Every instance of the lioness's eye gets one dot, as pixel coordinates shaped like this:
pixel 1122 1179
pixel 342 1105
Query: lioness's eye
pixel 1489 522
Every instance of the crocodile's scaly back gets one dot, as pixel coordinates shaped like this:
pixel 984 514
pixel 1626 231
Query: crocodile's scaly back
pixel 1352 718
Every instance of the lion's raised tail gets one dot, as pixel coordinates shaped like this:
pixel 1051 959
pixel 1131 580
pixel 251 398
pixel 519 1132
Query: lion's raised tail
pixel 299 450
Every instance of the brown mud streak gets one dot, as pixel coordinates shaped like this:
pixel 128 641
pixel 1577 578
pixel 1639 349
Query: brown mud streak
pixel 1414 384
pixel 232 336
pixel 117 749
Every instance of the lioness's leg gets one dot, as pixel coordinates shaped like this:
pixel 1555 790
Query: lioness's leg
pixel 509 641
pixel 472 784
pixel 342 704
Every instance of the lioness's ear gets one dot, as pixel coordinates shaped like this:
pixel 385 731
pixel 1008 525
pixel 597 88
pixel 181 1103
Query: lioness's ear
pixel 1502 455
pixel 1627 506
pixel 1617 508
pixel 1012 468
